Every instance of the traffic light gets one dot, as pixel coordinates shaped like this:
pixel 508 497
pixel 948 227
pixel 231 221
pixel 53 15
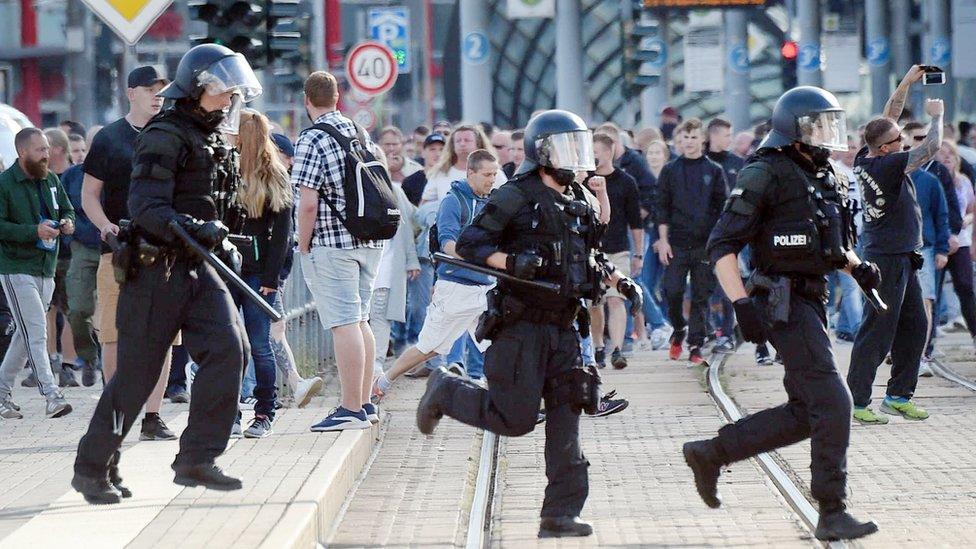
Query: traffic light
pixel 788 52
pixel 261 30
pixel 644 51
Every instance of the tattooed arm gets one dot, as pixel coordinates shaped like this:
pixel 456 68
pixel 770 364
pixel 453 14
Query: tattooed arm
pixel 896 103
pixel 926 150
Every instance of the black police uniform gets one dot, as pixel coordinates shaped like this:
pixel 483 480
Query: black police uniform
pixel 774 208
pixel 175 171
pixel 535 353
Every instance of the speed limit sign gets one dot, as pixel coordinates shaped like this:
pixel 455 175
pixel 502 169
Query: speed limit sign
pixel 371 68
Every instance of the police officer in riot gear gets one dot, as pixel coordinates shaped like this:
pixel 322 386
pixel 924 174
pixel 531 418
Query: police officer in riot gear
pixel 789 206
pixel 180 158
pixel 540 226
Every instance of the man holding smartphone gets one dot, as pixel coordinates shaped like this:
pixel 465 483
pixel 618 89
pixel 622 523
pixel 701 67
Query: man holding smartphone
pixel 34 212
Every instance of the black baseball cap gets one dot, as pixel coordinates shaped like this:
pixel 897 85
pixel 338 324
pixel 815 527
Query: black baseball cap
pixel 146 76
pixel 434 138
pixel 284 144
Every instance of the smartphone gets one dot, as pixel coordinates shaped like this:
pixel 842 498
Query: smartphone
pixel 933 76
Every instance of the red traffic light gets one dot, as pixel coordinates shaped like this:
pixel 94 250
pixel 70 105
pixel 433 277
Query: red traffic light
pixel 789 50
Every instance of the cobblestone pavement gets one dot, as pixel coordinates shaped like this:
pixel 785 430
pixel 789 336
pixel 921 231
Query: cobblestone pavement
pixel 916 479
pixel 37 504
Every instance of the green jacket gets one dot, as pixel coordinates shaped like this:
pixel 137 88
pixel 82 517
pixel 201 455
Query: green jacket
pixel 20 212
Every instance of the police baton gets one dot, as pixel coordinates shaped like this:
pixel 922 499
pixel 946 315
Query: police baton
pixel 874 298
pixel 225 272
pixel 501 275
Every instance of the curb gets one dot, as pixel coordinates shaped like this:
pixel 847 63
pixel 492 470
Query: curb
pixel 309 517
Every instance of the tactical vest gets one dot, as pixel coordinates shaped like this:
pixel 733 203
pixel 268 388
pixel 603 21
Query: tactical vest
pixel 206 180
pixel 806 223
pixel 565 233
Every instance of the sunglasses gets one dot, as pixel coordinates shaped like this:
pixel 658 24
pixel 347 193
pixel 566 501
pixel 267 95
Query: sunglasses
pixel 893 141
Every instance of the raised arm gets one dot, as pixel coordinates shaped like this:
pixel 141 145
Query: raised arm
pixel 926 150
pixel 896 103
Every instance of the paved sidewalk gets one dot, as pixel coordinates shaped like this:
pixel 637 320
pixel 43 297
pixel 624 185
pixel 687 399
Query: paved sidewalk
pixel 916 479
pixel 38 508
pixel 641 491
pixel 418 490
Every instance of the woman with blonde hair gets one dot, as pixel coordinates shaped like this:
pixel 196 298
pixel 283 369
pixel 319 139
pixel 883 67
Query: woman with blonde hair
pixel 266 197
pixel 960 263
pixel 453 165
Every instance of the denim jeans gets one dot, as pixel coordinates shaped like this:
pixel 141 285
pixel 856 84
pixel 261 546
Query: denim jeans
pixel 851 305
pixel 418 298
pixel 258 327
pixel 649 280
pixel 467 353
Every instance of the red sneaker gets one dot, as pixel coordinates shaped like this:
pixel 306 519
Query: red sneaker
pixel 695 356
pixel 675 352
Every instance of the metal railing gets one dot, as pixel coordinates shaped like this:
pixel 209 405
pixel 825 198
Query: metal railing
pixel 311 344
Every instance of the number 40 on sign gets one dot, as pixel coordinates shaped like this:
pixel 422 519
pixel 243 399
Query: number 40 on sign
pixel 371 68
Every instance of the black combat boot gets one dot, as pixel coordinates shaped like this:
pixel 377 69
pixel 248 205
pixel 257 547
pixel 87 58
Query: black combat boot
pixel 116 481
pixel 705 459
pixel 837 524
pixel 96 490
pixel 428 410
pixel 207 475
pixel 563 527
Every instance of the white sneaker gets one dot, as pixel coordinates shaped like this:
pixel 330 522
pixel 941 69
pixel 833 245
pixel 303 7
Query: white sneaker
pixel 956 325
pixel 924 370
pixel 307 388
pixel 661 336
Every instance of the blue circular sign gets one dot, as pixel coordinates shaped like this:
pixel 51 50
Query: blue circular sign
pixel 879 52
pixel 739 58
pixel 940 52
pixel 475 47
pixel 808 58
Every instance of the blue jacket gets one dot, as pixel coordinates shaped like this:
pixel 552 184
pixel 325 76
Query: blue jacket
pixel 85 231
pixel 935 211
pixel 457 210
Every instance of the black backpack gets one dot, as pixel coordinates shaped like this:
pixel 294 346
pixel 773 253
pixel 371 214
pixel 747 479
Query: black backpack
pixel 371 211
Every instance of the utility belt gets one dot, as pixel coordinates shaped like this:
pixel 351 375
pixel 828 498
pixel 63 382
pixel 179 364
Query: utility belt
pixel 505 310
pixel 132 252
pixel 777 291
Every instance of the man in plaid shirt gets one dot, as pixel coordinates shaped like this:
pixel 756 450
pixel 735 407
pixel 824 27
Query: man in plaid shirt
pixel 339 269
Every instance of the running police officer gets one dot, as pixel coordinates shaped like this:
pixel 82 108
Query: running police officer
pixel 788 205
pixel 178 160
pixel 540 226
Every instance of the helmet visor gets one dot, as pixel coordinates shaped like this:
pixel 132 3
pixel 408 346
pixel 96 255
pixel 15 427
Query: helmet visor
pixel 827 130
pixel 567 151
pixel 232 73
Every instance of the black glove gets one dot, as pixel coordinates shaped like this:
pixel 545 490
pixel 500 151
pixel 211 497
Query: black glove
pixel 228 253
pixel 633 293
pixel 209 233
pixel 867 275
pixel 524 265
pixel 750 320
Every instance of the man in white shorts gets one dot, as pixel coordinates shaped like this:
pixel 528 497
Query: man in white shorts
pixel 459 294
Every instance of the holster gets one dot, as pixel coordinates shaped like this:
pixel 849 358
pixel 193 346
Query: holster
pixel 133 253
pixel 490 321
pixel 776 290
pixel 578 387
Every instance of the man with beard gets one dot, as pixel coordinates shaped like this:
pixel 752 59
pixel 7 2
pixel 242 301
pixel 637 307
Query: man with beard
pixel 182 181
pixel 34 212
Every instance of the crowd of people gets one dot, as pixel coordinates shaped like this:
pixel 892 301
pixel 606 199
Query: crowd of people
pixel 663 189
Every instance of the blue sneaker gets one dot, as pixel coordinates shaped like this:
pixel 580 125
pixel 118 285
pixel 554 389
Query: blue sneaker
pixel 341 419
pixel 372 412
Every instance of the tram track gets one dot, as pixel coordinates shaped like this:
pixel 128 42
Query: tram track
pixel 802 506
pixel 944 371
pixel 482 504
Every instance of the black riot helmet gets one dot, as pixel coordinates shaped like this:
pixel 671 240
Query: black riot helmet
pixel 558 140
pixel 215 69
pixel 808 115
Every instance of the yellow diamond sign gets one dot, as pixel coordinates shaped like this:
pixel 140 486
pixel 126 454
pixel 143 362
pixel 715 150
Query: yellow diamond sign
pixel 130 19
